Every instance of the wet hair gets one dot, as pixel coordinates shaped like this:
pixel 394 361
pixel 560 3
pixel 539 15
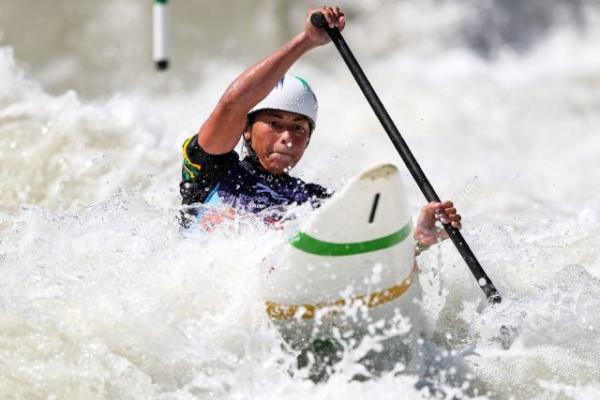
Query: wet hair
pixel 252 116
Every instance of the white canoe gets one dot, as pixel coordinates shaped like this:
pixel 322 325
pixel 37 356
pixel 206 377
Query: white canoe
pixel 351 263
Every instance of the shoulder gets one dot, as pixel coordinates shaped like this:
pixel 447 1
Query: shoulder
pixel 202 171
pixel 192 151
pixel 197 161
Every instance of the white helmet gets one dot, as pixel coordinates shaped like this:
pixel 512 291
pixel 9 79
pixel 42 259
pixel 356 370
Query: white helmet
pixel 291 93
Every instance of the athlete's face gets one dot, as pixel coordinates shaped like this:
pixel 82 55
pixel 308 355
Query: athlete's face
pixel 279 139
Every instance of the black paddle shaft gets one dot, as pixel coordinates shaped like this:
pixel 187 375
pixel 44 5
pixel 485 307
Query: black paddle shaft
pixel 318 20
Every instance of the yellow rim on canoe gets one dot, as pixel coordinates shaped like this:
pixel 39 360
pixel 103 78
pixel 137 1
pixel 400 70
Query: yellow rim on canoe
pixel 308 311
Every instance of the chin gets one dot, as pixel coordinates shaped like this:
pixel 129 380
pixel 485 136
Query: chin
pixel 278 169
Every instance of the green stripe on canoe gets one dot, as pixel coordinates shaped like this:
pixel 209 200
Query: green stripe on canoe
pixel 308 244
pixel 161 1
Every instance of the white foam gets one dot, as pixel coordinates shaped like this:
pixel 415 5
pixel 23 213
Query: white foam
pixel 101 297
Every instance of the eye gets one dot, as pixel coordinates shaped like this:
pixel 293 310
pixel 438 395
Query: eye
pixel 275 124
pixel 299 129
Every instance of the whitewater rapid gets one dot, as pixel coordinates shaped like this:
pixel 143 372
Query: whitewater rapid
pixel 102 296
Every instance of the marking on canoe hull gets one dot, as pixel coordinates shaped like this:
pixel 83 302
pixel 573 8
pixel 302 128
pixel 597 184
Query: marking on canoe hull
pixel 309 311
pixel 308 244
pixel 374 208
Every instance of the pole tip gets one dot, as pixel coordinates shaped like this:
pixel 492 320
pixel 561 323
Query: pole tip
pixel 495 299
pixel 162 65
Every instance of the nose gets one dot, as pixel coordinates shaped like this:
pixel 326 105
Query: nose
pixel 285 136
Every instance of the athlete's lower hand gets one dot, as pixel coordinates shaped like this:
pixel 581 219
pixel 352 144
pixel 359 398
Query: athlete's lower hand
pixel 335 19
pixel 426 231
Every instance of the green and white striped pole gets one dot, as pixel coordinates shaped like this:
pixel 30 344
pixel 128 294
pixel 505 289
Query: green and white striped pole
pixel 160 45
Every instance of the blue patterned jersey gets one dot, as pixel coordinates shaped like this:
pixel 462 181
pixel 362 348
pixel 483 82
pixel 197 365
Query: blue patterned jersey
pixel 241 184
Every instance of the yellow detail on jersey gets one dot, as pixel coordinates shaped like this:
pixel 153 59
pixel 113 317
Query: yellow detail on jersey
pixel 187 162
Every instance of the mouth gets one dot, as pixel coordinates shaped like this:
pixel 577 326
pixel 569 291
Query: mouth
pixel 280 154
pixel 282 160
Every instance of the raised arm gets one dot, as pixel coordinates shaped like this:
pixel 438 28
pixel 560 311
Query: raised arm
pixel 222 130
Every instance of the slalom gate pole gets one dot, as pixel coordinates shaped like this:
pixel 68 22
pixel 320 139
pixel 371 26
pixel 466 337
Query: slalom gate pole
pixel 318 20
pixel 160 43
